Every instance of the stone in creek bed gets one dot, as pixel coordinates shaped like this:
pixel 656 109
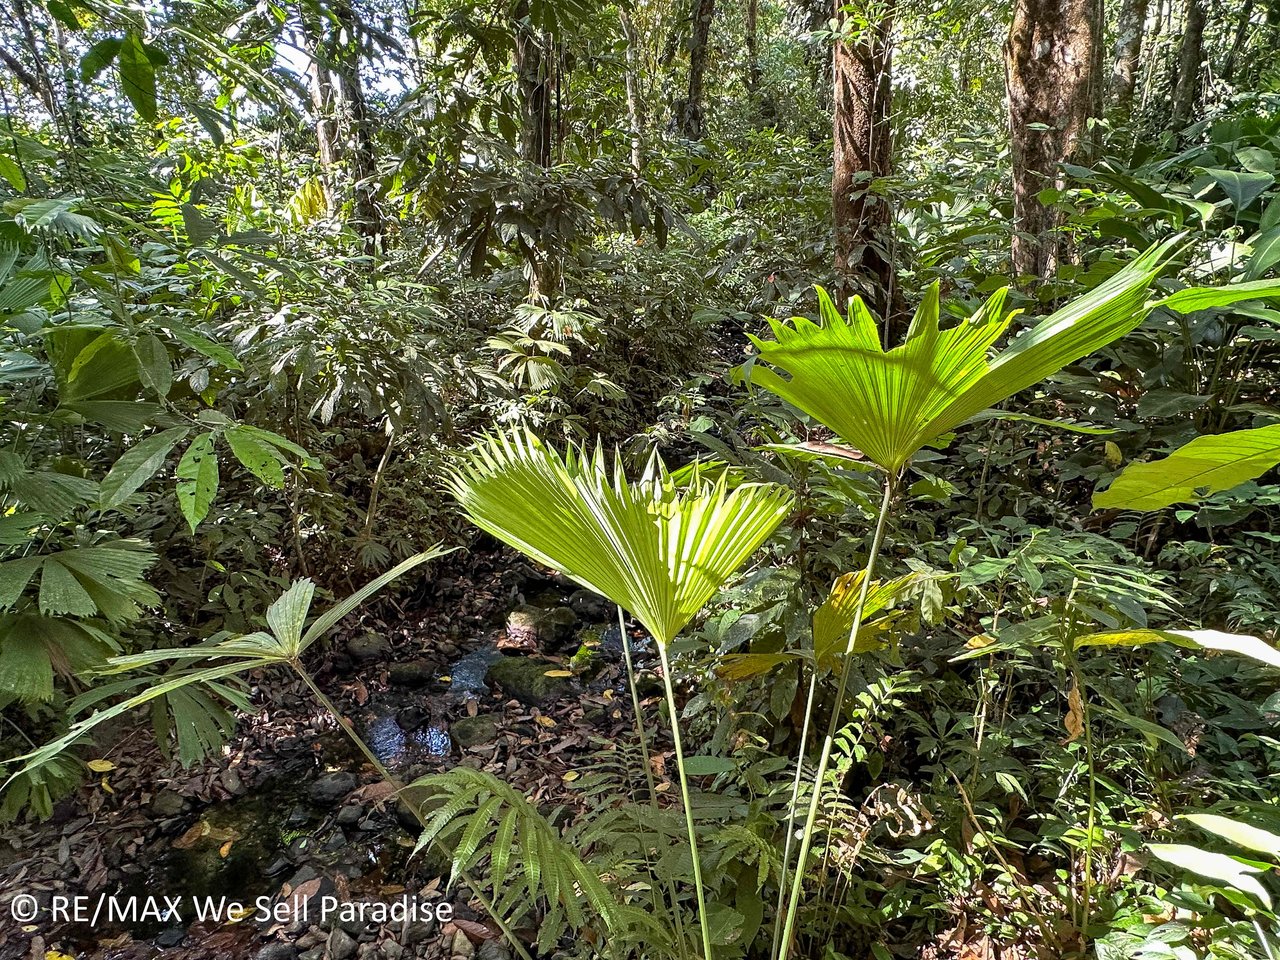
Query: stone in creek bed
pixel 331 788
pixel 414 673
pixel 525 679
pixel 170 938
pixel 277 951
pixel 167 803
pixel 533 627
pixel 367 647
pixel 473 731
pixel 411 718
pixel 341 945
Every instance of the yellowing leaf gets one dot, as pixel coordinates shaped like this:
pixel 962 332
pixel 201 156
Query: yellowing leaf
pixel 558 673
pixel 225 849
pixel 544 721
pixel 1074 720
pixel 106 786
pixel 101 766
pixel 571 776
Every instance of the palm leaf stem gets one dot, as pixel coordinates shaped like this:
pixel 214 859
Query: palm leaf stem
pixel 648 772
pixel 833 725
pixel 703 920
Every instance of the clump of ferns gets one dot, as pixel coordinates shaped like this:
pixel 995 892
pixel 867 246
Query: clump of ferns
pixel 534 877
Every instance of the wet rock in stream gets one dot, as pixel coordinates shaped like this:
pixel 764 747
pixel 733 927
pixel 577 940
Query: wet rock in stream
pixel 531 627
pixel 474 731
pixel 525 679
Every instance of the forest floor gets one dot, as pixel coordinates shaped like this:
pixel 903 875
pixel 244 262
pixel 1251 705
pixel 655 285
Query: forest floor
pixel 293 812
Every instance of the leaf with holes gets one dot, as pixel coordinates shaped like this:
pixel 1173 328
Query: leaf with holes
pixel 197 479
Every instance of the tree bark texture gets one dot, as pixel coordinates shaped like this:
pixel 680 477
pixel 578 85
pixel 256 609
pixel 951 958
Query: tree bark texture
pixel 536 79
pixel 693 110
pixel 1128 53
pixel 1186 89
pixel 1051 76
pixel 862 151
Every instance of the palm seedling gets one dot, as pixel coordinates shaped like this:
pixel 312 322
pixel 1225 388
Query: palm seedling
pixel 889 403
pixel 655 548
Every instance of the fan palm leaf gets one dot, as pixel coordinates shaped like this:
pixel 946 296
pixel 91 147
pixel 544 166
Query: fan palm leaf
pixel 889 403
pixel 655 548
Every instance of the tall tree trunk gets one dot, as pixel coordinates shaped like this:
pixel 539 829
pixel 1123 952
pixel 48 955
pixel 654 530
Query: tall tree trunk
pixel 693 111
pixel 1128 53
pixel 323 100
pixel 635 108
pixel 752 44
pixel 1186 89
pixel 358 126
pixel 1051 76
pixel 1237 44
pixel 862 150
pixel 535 78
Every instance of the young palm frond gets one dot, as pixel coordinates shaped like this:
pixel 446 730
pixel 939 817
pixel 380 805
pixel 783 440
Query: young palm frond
pixel 889 403
pixel 653 547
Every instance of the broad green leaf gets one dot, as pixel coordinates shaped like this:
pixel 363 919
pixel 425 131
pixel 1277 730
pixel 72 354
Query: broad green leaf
pixel 833 621
pixel 888 404
pixel 1241 188
pixel 26 671
pixel 138 465
pixel 154 368
pixel 655 549
pixel 1203 298
pixel 137 76
pixel 12 173
pixel 200 229
pixel 259 458
pixel 1266 253
pixel 1215 866
pixel 704 766
pixel 203 345
pixel 197 479
pixel 1240 833
pixel 741 666
pixel 14 577
pixel 98 58
pixel 1203 466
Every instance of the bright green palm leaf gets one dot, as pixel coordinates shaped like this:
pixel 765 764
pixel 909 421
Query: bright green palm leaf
pixel 889 403
pixel 656 549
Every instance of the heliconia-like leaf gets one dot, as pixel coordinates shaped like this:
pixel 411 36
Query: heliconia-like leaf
pixel 1238 832
pixel 1203 466
pixel 1215 866
pixel 655 549
pixel 889 403
pixel 1239 644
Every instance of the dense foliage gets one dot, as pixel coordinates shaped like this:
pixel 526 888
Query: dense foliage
pixel 291 293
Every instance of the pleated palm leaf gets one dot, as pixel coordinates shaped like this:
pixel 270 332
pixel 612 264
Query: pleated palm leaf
pixel 658 549
pixel 890 403
pixel 654 547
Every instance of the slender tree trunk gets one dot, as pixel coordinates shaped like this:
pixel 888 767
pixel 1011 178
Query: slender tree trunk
pixel 1186 88
pixel 323 101
pixel 862 150
pixel 752 43
pixel 363 156
pixel 635 108
pixel 535 68
pixel 1237 44
pixel 1128 52
pixel 693 112
pixel 1051 76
